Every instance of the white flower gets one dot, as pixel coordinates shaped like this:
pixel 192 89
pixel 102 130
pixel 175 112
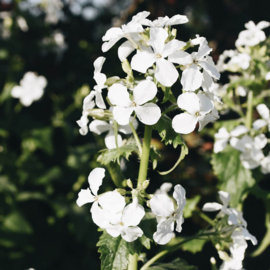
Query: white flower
pixel 166 21
pixel 165 71
pixel 164 188
pixel 237 61
pixel 265 164
pixel 98 127
pixel 131 31
pixel 253 35
pixel 198 108
pixel 145 91
pixel 31 88
pixel 223 136
pixel 252 154
pixel 163 207
pixel 82 123
pixel 100 79
pixel 125 222
pixel 110 201
pixel 192 78
pixel 264 113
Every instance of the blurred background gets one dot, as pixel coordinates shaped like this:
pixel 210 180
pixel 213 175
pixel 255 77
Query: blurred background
pixel 44 161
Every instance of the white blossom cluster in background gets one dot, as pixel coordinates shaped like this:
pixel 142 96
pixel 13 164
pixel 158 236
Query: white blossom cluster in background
pixel 239 235
pixel 158 56
pixel 31 88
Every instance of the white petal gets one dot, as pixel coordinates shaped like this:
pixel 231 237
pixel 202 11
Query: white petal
pixel 222 134
pixel 139 17
pixel 179 221
pixel 98 64
pixel 88 102
pixel 122 115
pixel 208 82
pixel 100 79
pixel 181 58
pixel 133 214
pixel 99 216
pixel 112 201
pixel 142 61
pixel 267 76
pixel 258 124
pixel 98 126
pixel 260 141
pixel 157 39
pixel 191 78
pixel 177 19
pixel 95 179
pixel 262 25
pixel 239 130
pixel 148 113
pixel 125 50
pixel 206 105
pixel 161 205
pixel 85 196
pixel 180 196
pixel 99 100
pixel 210 207
pixel 184 123
pixel 130 234
pixel 166 73
pixel 41 81
pixel 16 91
pixel 145 91
pixel 224 197
pixel 164 232
pixel 249 236
pixel 263 111
pixel 211 70
pixel 172 46
pixel 204 120
pixel 110 140
pixel 220 145
pixel 112 36
pixel 114 231
pixel 118 95
pixel 189 102
pixel 203 50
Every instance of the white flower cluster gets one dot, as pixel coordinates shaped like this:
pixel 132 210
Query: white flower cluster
pixel 111 212
pixel 239 235
pixel 156 51
pixel 31 88
pixel 250 146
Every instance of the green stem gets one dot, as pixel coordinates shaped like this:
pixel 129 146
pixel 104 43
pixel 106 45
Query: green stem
pixel 173 248
pixel 136 138
pixel 133 262
pixel 205 217
pixel 249 110
pixel 145 154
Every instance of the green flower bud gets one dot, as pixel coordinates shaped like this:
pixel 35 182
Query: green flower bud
pixel 129 184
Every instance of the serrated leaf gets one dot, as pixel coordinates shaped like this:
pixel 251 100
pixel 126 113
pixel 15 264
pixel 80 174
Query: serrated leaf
pixel 191 206
pixel 115 251
pixel 166 132
pixel 108 155
pixel 232 175
pixel 177 264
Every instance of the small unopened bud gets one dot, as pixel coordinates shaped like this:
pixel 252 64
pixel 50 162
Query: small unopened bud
pixel 127 68
pixel 148 204
pixel 174 32
pixel 129 184
pixel 100 114
pixel 145 184
pixel 213 260
pixel 112 80
pixel 121 191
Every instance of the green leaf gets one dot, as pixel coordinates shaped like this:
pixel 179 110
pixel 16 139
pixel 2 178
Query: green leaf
pixel 166 132
pixel 149 226
pixel 194 246
pixel 115 251
pixel 233 177
pixel 190 206
pixel 15 222
pixel 6 185
pixel 177 264
pixel 168 95
pixel 108 155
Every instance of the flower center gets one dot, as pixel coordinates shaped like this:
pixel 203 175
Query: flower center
pixel 197 113
pixel 158 55
pixel 121 223
pixel 133 104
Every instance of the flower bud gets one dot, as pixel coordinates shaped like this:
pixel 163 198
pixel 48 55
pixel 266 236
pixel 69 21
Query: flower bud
pixel 100 114
pixel 121 191
pixel 145 184
pixel 112 80
pixel 129 184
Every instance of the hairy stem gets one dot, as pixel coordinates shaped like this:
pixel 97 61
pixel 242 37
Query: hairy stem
pixel 145 154
pixel 136 138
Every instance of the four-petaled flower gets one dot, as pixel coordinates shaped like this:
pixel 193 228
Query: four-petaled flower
pixel 148 113
pixel 264 113
pixel 163 207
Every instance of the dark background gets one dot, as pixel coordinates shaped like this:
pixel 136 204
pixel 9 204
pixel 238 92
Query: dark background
pixel 44 161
